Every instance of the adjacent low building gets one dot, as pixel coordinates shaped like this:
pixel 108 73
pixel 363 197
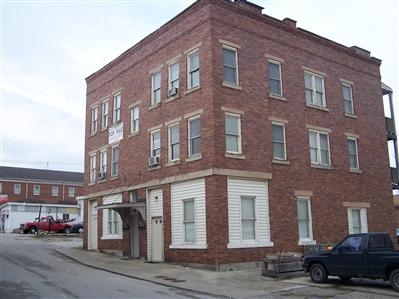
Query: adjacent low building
pixel 227 134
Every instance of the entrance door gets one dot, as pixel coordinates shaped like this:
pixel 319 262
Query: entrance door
pixel 93 230
pixel 157 239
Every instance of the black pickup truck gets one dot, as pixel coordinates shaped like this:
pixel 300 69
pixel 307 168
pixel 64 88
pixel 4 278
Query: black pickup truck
pixel 370 255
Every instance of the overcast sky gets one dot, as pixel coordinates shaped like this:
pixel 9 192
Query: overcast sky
pixel 48 48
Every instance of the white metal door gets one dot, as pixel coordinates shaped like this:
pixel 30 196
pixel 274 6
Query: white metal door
pixel 93 226
pixel 157 239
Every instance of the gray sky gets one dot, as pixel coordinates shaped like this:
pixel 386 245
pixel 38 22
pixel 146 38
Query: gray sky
pixel 48 48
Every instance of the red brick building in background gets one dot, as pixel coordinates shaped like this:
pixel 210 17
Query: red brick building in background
pixel 227 134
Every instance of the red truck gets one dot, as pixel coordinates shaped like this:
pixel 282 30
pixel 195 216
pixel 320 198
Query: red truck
pixel 47 224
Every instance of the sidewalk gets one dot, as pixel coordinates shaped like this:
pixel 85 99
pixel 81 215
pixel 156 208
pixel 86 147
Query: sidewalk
pixel 231 284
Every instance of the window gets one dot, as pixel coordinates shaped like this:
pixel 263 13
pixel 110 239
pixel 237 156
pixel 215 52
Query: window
pixel 348 101
pixel 103 163
pixel 115 161
pixel 319 148
pixel 111 221
pixel 173 76
pixel 314 85
pixel 278 140
pixel 71 191
pixel 357 220
pixel 230 70
pixel 193 70
pixel 194 135
pixel 36 189
pixel 117 108
pixel 156 88
pixel 1 187
pixel 233 133
pixel 17 188
pixel 275 85
pixel 380 241
pixel 304 220
pixel 54 191
pixel 189 221
pixel 156 144
pixel 248 218
pixel 94 119
pixel 134 119
pixel 92 168
pixel 174 142
pixel 351 244
pixel 104 114
pixel 352 154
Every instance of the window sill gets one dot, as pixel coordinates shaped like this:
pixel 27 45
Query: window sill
pixel 170 99
pixel 282 162
pixel 253 244
pixel 114 178
pixel 192 89
pixel 324 167
pixel 194 158
pixel 104 129
pixel 154 106
pixel 350 115
pixel 234 156
pixel 173 163
pixel 91 184
pixel 188 246
pixel 306 242
pixel 355 170
pixel 112 237
pixel 154 168
pixel 93 134
pixel 231 85
pixel 277 97
pixel 134 134
pixel 102 181
pixel 312 106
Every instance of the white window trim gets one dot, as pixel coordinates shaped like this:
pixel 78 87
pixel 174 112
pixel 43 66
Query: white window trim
pixel 104 114
pixel 284 140
pixel 363 219
pixel 71 194
pixel 249 241
pixel 235 50
pixel 238 116
pixel 36 189
pixel 324 101
pixel 357 154
pixel 183 223
pixel 114 175
pixel 103 158
pixel 53 188
pixel 281 77
pixel 152 133
pixel 153 103
pixel 188 55
pixel 170 74
pixel 310 240
pixel 93 172
pixel 351 99
pixel 189 120
pixel 319 148
pixel 17 188
pixel 134 120
pixel 94 119
pixel 119 233
pixel 116 112
pixel 170 144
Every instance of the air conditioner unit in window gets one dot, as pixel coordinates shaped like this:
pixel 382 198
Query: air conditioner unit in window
pixel 101 175
pixel 152 161
pixel 172 92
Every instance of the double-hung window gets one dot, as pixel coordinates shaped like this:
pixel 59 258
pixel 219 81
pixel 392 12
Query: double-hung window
pixel 173 76
pixel 174 142
pixel 103 163
pixel 134 119
pixel 156 88
pixel 357 220
pixel 230 65
pixel 304 220
pixel 54 191
pixel 194 136
pixel 319 148
pixel 17 188
pixel 104 114
pixel 314 85
pixel 348 100
pixel 92 168
pixel 94 119
pixel 189 221
pixel 36 190
pixel 115 161
pixel 275 82
pixel 278 140
pixel 71 191
pixel 156 143
pixel 193 70
pixel 248 218
pixel 353 154
pixel 117 108
pixel 233 133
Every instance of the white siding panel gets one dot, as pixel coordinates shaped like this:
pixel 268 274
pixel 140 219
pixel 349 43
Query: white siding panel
pixel 350 223
pixel 363 219
pixel 114 198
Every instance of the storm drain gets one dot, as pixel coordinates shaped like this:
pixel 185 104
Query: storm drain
pixel 172 279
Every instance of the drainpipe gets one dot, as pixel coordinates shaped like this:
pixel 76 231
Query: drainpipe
pixel 26 190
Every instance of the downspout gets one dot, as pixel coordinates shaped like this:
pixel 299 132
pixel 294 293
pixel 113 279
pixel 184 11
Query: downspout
pixel 26 190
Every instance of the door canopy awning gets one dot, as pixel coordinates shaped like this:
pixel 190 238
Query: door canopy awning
pixel 121 206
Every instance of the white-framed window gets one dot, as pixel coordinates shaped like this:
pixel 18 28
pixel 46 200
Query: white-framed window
pixel 319 148
pixel 115 161
pixel 116 115
pixel 193 69
pixel 305 229
pixel 348 100
pixel 112 222
pixel 174 142
pixel 233 133
pixel 155 143
pixel 357 220
pixel 275 80
pixel 353 153
pixel 17 188
pixel 104 114
pixel 194 136
pixel 230 65
pixel 36 189
pixel 93 171
pixel 248 218
pixel 314 86
pixel 94 119
pixel 103 163
pixel 155 88
pixel 54 190
pixel 278 141
pixel 173 78
pixel 71 191
pixel 134 119
pixel 189 220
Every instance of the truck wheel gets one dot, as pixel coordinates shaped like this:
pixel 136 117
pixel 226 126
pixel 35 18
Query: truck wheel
pixel 318 273
pixel 394 279
pixel 67 230
pixel 33 230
